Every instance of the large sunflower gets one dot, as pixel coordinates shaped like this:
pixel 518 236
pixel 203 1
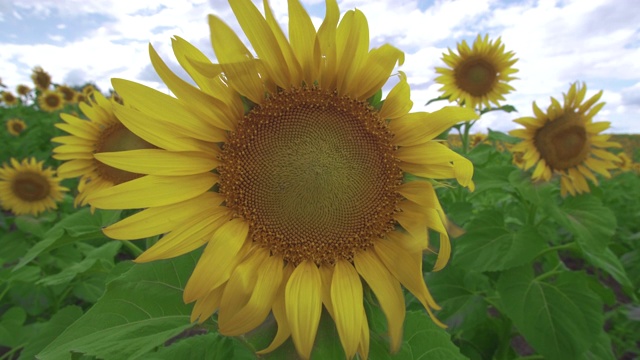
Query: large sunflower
pixel 51 101
pixel 103 132
pixel 16 126
pixel 567 142
pixel 291 178
pixel 478 75
pixel 27 188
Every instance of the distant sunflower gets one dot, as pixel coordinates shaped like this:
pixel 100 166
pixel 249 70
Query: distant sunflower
pixel 479 75
pixel 27 188
pixel 625 163
pixel 103 132
pixel 80 97
pixel 567 142
pixel 477 139
pixel 310 197
pixel 51 101
pixel 41 79
pixel 68 93
pixel 87 90
pixel 16 126
pixel 9 99
pixel 23 90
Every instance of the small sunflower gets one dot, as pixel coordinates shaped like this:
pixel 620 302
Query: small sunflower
pixel 27 188
pixel 23 90
pixel 311 197
pixel 68 93
pixel 80 97
pixel 479 75
pixel 477 139
pixel 9 99
pixel 567 142
pixel 51 101
pixel 103 132
pixel 41 79
pixel 16 126
pixel 89 89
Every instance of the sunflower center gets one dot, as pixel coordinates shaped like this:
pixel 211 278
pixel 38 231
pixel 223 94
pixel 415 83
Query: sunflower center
pixel 30 186
pixel 563 142
pixel 17 127
pixel 476 76
pixel 118 138
pixel 53 100
pixel 314 173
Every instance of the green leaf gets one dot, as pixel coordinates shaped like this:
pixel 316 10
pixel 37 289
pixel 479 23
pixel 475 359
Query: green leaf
pixel 139 311
pixel 560 319
pixel 500 136
pixel 210 346
pixel 439 98
pixel 10 327
pixel 488 245
pixel 79 226
pixel 457 292
pixel 600 350
pixel 423 339
pixel 50 330
pixel 538 193
pixel 505 108
pixel 609 262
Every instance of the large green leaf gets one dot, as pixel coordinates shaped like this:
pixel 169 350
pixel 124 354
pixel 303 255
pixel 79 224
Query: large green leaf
pixel 488 245
pixel 50 330
pixel 609 262
pixel 209 346
pixel 561 319
pixel 11 322
pixel 591 223
pixel 139 311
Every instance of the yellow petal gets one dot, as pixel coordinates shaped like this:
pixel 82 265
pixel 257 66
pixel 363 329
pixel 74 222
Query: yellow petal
pixel 75 168
pixel 279 312
pixel 152 190
pixel 377 69
pixel 346 297
pixel 398 102
pixel 161 219
pixel 387 290
pixel 303 302
pixel 237 62
pixel 418 128
pixel 159 162
pixel 304 42
pixel 352 47
pixel 262 296
pixel 207 305
pixel 295 70
pixel 220 257
pixel 187 236
pixel 327 40
pixel 363 347
pixel 263 41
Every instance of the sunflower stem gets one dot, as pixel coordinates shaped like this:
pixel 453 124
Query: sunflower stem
pixel 133 248
pixel 567 246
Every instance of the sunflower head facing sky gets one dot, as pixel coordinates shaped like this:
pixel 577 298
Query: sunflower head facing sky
pixel 566 141
pixel 23 90
pixel 51 101
pixel 289 175
pixel 16 126
pixel 103 132
pixel 41 79
pixel 68 94
pixel 27 188
pixel 477 75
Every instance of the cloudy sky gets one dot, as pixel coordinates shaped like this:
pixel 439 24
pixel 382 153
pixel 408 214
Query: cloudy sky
pixel 557 42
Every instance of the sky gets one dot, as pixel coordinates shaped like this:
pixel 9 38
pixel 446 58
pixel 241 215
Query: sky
pixel 557 43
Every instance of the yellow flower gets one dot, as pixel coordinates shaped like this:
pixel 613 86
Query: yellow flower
pixel 23 90
pixel 103 132
pixel 567 142
pixel 477 139
pixel 479 75
pixel 51 101
pixel 80 97
pixel 68 93
pixel 89 89
pixel 16 126
pixel 27 188
pixel 291 179
pixel 625 163
pixel 8 98
pixel 41 79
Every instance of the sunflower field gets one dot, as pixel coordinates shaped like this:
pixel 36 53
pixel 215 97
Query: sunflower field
pixel 278 206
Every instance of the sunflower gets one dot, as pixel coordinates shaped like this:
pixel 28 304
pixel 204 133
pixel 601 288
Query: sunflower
pixel 477 139
pixel 103 132
pixel 89 89
pixel 51 101
pixel 9 99
pixel 625 163
pixel 16 126
pixel 23 90
pixel 479 75
pixel 27 188
pixel 68 93
pixel 80 97
pixel 567 142
pixel 41 79
pixel 288 174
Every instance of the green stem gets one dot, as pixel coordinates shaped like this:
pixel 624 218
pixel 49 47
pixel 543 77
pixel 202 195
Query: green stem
pixel 8 354
pixel 133 248
pixel 548 274
pixel 570 245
